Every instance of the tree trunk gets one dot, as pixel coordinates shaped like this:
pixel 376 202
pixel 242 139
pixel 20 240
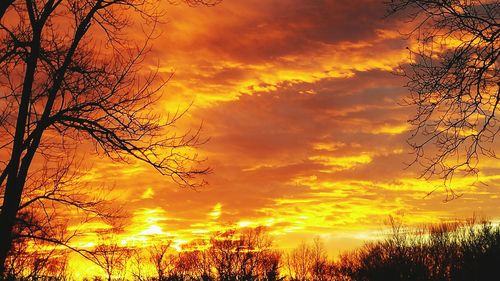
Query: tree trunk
pixel 12 198
pixel 15 182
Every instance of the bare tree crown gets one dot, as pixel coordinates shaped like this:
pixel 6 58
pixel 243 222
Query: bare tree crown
pixel 454 82
pixel 75 71
pixel 88 84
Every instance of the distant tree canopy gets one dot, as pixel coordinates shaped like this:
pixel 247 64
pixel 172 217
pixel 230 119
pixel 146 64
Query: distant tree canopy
pixel 70 72
pixel 457 251
pixel 454 81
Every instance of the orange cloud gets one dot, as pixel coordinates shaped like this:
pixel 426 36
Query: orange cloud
pixel 306 132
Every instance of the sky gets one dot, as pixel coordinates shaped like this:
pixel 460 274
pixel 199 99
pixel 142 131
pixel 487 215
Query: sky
pixel 306 130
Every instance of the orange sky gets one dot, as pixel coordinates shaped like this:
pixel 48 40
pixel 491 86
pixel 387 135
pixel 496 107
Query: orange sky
pixel 306 132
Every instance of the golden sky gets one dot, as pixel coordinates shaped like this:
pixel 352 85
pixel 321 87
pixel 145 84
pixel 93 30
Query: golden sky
pixel 307 134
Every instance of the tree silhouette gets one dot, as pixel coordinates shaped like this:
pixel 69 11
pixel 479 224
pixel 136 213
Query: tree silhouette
pixel 243 255
pixel 447 251
pixel 34 258
pixel 300 262
pixel 69 75
pixel 160 258
pixel 112 258
pixel 460 250
pixel 234 254
pixel 454 82
pixel 309 262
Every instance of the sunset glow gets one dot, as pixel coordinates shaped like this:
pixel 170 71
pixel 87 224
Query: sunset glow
pixel 307 134
pixel 303 127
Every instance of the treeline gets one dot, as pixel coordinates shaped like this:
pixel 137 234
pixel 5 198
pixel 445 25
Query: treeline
pixel 448 251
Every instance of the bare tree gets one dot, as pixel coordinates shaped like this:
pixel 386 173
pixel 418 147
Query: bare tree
pixel 270 266
pixel 197 257
pixel 320 264
pixel 112 258
pixel 194 264
pixel 224 253
pixel 309 262
pixel 139 270
pixel 300 262
pixel 40 239
pixel 256 246
pixel 69 74
pixel 454 82
pixel 41 232
pixel 241 255
pixel 160 257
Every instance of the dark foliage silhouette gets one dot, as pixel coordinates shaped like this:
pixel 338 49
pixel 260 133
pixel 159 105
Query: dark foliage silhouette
pixel 449 251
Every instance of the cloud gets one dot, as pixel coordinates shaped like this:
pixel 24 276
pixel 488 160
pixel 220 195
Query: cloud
pixel 307 134
pixel 260 30
pixel 242 47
